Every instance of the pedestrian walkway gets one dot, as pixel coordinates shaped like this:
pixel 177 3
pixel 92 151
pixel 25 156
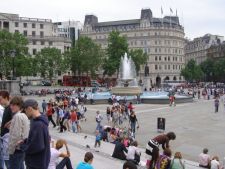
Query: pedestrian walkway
pixel 78 144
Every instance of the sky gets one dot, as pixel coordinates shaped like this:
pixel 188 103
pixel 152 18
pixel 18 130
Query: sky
pixel 198 17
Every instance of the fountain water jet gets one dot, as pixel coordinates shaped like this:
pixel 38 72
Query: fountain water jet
pixel 127 82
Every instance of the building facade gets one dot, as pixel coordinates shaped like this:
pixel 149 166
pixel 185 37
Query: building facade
pixel 216 51
pixel 68 29
pixel 39 32
pixel 197 49
pixel 161 38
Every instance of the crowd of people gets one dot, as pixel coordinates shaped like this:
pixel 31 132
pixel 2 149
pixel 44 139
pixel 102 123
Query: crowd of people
pixel 25 137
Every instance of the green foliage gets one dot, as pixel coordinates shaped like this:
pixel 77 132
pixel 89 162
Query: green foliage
pixel 139 58
pixel 117 46
pixel 85 57
pixel 49 61
pixel 12 42
pixel 192 72
pixel 214 70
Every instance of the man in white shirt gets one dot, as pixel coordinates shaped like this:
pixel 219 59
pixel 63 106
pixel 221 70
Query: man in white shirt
pixel 133 153
pixel 204 159
pixel 1 113
pixel 55 154
pixel 98 120
pixel 18 131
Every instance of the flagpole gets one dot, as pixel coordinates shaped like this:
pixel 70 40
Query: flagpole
pixel 162 15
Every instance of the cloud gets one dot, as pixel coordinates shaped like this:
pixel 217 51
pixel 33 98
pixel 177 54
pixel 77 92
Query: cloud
pixel 198 16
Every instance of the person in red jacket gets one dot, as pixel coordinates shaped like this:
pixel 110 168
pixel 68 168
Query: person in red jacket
pixel 74 120
pixel 50 111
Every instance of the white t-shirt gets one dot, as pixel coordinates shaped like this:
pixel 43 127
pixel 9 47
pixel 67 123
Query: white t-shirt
pixel 131 152
pixel 215 164
pixel 54 158
pixel 204 159
pixel 1 113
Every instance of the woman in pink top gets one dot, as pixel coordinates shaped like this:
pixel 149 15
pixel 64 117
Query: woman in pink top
pixel 204 159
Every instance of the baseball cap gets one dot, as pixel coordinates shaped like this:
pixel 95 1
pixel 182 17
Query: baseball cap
pixel 30 103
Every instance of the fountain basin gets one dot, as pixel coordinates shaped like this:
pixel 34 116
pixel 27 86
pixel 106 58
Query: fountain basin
pixel 126 91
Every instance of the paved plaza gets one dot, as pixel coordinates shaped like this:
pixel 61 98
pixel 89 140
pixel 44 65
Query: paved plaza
pixel 196 126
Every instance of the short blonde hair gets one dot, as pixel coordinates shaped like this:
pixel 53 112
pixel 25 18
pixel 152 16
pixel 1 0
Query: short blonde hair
pixel 59 143
pixel 178 155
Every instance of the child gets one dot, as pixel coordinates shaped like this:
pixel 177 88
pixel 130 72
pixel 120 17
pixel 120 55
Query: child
pixel 98 139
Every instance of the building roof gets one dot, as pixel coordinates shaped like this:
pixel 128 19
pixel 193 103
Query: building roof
pixel 122 22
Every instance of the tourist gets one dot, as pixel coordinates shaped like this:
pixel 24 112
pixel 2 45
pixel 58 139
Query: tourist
pixel 129 165
pixel 49 114
pixel 108 114
pixel 83 110
pixel 73 118
pixel 67 118
pixel 98 119
pixel 152 148
pixel 215 164
pixel 133 120
pixel 44 106
pixel 61 119
pixel 130 107
pixel 204 159
pixel 133 153
pixel 163 161
pixel 55 154
pixel 88 160
pixel 217 103
pixel 18 131
pixel 119 150
pixel 97 139
pixel 37 146
pixel 5 124
pixel 177 162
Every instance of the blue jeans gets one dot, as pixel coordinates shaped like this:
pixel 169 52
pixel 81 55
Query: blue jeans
pixel 98 126
pixel 132 126
pixel 74 127
pixel 16 160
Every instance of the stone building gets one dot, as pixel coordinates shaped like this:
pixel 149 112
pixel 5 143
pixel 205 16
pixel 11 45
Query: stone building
pixel 197 49
pixel 216 51
pixel 161 38
pixel 40 32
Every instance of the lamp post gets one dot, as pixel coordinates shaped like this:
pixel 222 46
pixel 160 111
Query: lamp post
pixel 13 54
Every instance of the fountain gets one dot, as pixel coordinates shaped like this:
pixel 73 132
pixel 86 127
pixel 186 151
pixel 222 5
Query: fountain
pixel 127 82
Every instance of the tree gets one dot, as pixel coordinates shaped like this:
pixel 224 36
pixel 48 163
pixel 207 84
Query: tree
pixel 192 72
pixel 208 69
pixel 117 46
pixel 139 58
pixel 11 43
pixel 49 61
pixel 85 57
pixel 219 70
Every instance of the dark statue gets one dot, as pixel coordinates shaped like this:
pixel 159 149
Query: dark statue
pixel 146 70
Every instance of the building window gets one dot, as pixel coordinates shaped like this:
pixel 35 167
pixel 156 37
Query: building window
pixel 34 42
pixel 141 42
pixel 173 67
pixel 16 24
pixel 159 58
pixel 148 50
pixel 165 67
pixel 156 67
pixel 33 25
pixel 156 58
pixel 59 73
pixel 155 50
pixel 165 58
pixel 160 67
pixel 41 34
pixel 17 31
pixel 25 33
pixel 33 33
pixel 42 42
pixel 168 58
pixel 34 51
pixel 41 26
pixel 25 25
pixel 169 67
pixel 50 43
